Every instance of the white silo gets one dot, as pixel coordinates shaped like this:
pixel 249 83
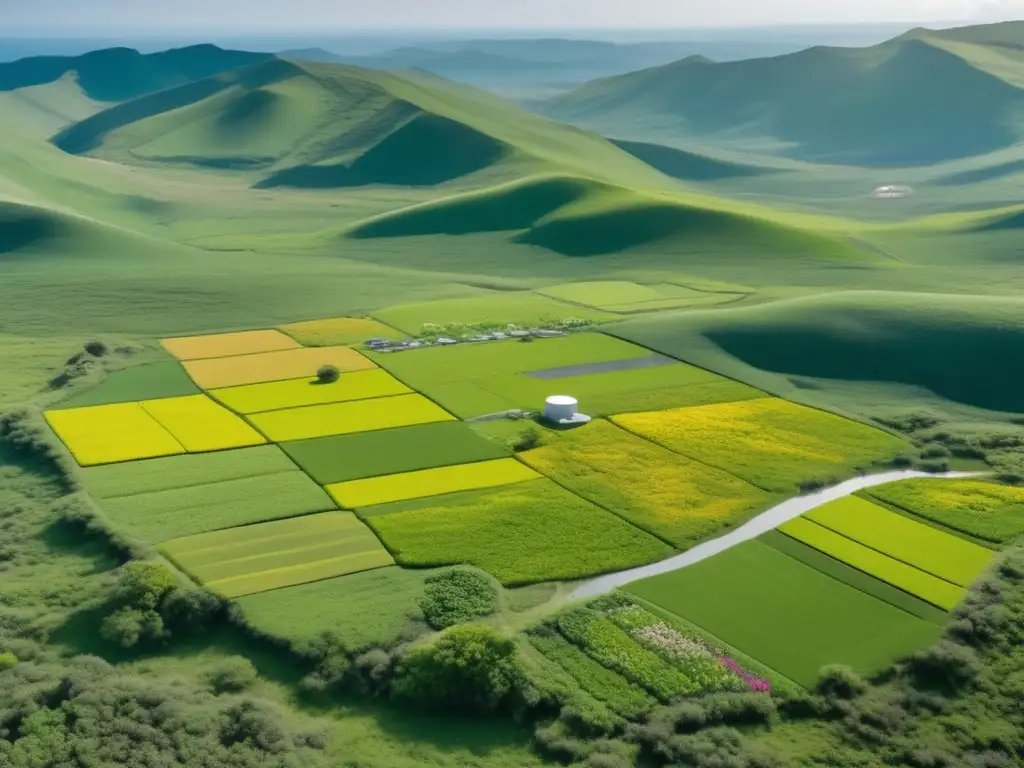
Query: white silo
pixel 563 409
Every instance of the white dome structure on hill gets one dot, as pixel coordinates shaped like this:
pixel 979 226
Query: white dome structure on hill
pixel 562 409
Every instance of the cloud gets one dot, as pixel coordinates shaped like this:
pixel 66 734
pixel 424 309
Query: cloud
pixel 1000 10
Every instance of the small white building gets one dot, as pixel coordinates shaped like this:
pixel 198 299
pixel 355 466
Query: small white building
pixel 563 409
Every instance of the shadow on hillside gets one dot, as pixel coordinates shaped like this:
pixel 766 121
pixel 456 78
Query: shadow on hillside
pixel 980 175
pixel 688 166
pixel 22 227
pixel 426 151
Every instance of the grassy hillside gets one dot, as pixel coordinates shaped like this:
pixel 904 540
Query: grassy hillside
pixel 915 100
pixel 315 125
pixel 689 166
pixel 576 216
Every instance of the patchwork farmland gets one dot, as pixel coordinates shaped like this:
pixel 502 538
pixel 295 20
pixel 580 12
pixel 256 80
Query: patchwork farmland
pixel 318 502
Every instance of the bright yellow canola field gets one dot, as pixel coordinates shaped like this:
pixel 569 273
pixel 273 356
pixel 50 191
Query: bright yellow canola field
pixel 235 371
pixel 669 495
pixel 346 418
pixel 200 424
pixel 257 558
pixel 104 434
pixel 772 443
pixel 224 344
pixel 908 578
pixel 429 482
pixel 339 330
pixel 297 393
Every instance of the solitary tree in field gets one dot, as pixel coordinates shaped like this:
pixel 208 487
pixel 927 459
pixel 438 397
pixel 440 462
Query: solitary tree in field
pixel 328 374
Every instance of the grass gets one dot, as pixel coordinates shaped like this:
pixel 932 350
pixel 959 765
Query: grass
pixel 438 481
pixel 906 577
pixel 522 534
pixel 494 311
pixel 339 330
pixel 986 510
pixel 608 294
pixel 668 495
pixel 130 478
pixel 104 434
pixel 391 451
pixel 258 558
pixel 367 608
pixel 156 516
pixel 922 546
pixel 348 418
pixel 774 444
pixel 297 393
pixel 227 344
pixel 149 381
pixel 786 614
pixel 200 424
pixel 216 373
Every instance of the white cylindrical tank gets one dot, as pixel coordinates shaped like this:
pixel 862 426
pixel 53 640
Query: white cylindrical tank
pixel 560 408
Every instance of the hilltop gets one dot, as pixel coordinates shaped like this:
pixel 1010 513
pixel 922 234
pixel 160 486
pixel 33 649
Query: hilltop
pixel 922 98
pixel 318 125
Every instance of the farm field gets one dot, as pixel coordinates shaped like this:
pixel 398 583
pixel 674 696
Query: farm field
pixel 774 444
pixel 518 534
pixel 991 512
pixel 365 608
pixel 934 590
pixel 227 344
pixel 786 614
pixel 370 491
pixel 347 418
pixel 257 558
pixel 675 498
pixel 296 393
pixel 933 551
pixel 493 311
pixel 200 424
pixel 149 381
pixel 103 434
pixel 391 451
pixel 220 372
pixel 623 296
pixel 339 331
pixel 156 516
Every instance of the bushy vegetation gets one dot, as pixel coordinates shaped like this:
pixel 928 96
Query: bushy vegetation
pixel 328 374
pixel 457 596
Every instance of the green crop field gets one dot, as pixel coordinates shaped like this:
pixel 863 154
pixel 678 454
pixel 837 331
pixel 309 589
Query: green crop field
pixel 936 552
pixel 167 514
pixel 624 296
pixel 772 443
pixel 988 511
pixel 257 558
pixel 675 498
pixel 339 330
pixel 366 608
pixel 913 580
pixel 139 382
pixel 391 451
pixel 518 534
pixel 785 614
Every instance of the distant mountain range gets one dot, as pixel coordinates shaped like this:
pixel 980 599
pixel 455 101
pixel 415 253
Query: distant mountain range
pixel 924 97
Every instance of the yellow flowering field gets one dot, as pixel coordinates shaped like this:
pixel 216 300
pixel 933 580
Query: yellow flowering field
pixel 429 482
pixel 346 418
pixel 678 499
pixel 215 373
pixel 225 344
pixel 340 330
pixel 297 393
pixel 104 434
pixel 200 424
pixel 930 588
pixel 772 443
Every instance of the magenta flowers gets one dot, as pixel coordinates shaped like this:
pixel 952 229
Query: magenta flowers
pixel 754 682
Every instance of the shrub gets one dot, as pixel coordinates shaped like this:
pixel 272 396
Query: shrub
pixel 840 682
pixel 7 661
pixel 233 676
pixel 457 596
pixel 471 669
pixel 192 611
pixel 144 585
pixel 528 439
pixel 96 348
pixel 374 669
pixel 127 627
pixel 946 665
pixel 256 723
pixel 328 374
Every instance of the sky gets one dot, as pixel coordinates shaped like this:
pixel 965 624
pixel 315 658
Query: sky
pixel 157 16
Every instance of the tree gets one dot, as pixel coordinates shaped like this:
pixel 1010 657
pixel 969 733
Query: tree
pixel 144 585
pixel 529 439
pixel 328 374
pixel 456 596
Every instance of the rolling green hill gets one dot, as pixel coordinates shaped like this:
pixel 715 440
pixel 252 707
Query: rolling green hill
pixel 315 125
pixel 919 99
pixel 576 216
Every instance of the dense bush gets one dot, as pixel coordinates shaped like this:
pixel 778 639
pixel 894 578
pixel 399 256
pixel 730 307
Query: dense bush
pixel 328 374
pixel 457 596
pixel 25 434
pixel 233 676
pixel 528 439
pixel 840 682
pixel 470 669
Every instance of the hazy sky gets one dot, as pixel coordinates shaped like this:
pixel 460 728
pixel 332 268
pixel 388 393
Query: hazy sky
pixel 159 16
